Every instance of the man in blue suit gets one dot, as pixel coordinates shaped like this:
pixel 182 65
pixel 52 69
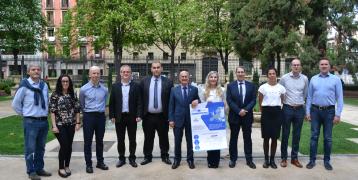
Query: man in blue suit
pixel 181 97
pixel 241 98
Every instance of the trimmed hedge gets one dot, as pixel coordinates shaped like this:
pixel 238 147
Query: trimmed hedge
pixel 350 88
pixel 6 85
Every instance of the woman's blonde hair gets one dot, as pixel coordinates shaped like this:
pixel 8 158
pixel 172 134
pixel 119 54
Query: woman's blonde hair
pixel 219 91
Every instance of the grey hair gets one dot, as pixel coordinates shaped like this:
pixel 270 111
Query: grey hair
pixel 33 65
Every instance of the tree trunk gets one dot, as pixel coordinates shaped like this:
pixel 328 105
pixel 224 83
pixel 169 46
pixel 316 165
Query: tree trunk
pixel 15 52
pixel 118 50
pixel 278 63
pixel 172 68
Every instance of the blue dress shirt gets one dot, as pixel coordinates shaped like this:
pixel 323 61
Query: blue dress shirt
pixel 23 102
pixel 325 90
pixel 93 98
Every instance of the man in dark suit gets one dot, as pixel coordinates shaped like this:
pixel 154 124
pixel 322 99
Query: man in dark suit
pixel 156 93
pixel 125 106
pixel 241 98
pixel 181 97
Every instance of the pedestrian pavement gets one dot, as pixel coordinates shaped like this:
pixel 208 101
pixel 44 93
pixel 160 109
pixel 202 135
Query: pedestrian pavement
pixel 350 114
pixel 6 109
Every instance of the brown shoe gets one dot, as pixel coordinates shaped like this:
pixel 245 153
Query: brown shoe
pixel 296 163
pixel 283 163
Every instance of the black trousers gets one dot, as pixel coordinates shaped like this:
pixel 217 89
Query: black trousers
pixel 93 123
pixel 65 138
pixel 234 133
pixel 178 136
pixel 129 123
pixel 151 123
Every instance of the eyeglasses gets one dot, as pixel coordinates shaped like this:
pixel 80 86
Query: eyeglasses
pixel 296 65
pixel 64 81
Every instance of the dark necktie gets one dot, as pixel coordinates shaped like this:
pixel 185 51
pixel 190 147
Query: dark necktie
pixel 241 94
pixel 156 93
pixel 185 93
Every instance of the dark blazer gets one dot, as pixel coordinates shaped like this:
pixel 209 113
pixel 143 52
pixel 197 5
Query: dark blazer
pixel 165 94
pixel 178 108
pixel 235 105
pixel 115 101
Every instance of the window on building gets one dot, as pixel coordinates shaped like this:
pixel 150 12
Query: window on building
pixel 64 3
pixel 183 56
pixel 50 17
pixel 135 55
pixel 69 71
pixel 49 3
pixel 83 52
pixel 50 32
pixel 64 15
pixel 52 73
pixel 97 52
pixel 165 56
pixel 150 55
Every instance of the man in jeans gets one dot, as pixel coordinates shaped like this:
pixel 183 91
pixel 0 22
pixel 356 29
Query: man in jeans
pixel 31 102
pixel 296 85
pixel 324 92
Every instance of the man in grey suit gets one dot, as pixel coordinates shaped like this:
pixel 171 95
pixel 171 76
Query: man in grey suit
pixel 156 92
pixel 181 97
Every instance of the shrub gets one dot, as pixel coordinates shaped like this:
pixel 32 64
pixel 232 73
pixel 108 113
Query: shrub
pixel 256 78
pixel 231 76
pixel 6 85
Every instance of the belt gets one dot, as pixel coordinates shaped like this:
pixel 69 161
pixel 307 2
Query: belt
pixel 323 107
pixel 43 118
pixel 155 114
pixel 294 107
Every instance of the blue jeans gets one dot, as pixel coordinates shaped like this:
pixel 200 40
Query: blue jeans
pixel 35 135
pixel 318 118
pixel 295 117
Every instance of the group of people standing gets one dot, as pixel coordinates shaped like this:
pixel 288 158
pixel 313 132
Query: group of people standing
pixel 159 105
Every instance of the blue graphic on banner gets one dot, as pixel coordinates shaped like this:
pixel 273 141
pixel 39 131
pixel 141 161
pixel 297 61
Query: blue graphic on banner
pixel 215 120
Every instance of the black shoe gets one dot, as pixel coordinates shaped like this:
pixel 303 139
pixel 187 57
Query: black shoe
pixel 266 164
pixel 251 164
pixel 89 169
pixel 63 175
pixel 328 166
pixel 34 176
pixel 120 163
pixel 191 164
pixel 145 161
pixel 310 165
pixel 166 160
pixel 43 173
pixel 273 164
pixel 232 164
pixel 68 171
pixel 102 166
pixel 175 164
pixel 133 163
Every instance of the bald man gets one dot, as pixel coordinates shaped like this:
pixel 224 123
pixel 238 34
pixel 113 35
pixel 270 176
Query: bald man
pixel 181 97
pixel 93 97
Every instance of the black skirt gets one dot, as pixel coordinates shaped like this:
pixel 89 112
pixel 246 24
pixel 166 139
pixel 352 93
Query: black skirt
pixel 271 121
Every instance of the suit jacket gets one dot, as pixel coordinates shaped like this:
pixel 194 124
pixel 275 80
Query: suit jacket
pixel 115 101
pixel 165 94
pixel 178 107
pixel 235 104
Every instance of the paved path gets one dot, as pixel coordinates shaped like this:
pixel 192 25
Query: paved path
pixel 345 168
pixel 5 109
pixel 350 114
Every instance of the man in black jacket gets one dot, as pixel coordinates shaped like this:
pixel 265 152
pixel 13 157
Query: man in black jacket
pixel 125 108
pixel 156 93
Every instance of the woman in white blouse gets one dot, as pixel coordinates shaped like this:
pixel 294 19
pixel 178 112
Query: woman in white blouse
pixel 212 92
pixel 271 95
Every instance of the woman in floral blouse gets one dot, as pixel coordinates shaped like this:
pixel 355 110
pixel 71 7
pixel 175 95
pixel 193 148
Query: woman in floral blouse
pixel 65 109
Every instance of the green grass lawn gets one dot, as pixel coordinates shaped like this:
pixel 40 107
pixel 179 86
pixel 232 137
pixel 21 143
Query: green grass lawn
pixel 5 98
pixel 340 144
pixel 12 136
pixel 351 101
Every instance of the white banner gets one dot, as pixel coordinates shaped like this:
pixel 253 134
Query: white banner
pixel 208 125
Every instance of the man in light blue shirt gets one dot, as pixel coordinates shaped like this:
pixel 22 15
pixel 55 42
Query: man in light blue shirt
pixel 93 97
pixel 324 92
pixel 31 102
